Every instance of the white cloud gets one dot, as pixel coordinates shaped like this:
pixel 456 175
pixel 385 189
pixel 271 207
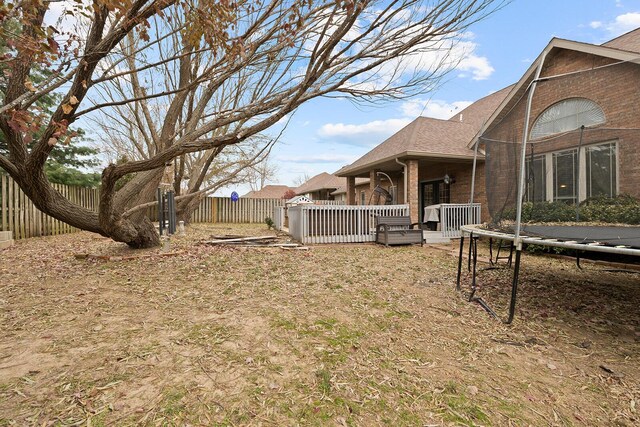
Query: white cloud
pixel 374 132
pixel 379 127
pixel 595 24
pixel 436 56
pixel 478 66
pixel 623 23
pixel 432 108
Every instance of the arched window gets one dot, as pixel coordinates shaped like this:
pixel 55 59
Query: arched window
pixel 567 115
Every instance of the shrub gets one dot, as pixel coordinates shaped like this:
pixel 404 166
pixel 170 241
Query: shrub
pixel 270 223
pixel 623 209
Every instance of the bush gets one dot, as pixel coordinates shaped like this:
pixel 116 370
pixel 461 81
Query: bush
pixel 270 223
pixel 543 212
pixel 623 209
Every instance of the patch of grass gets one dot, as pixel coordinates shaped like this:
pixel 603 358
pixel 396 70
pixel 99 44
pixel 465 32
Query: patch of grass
pixel 323 377
pixel 281 322
pixel 173 405
pixel 205 334
pixel 459 409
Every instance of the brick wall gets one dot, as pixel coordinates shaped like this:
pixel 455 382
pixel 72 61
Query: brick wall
pixel 613 88
pixel 461 188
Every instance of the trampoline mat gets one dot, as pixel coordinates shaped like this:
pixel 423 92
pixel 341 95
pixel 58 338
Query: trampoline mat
pixel 611 236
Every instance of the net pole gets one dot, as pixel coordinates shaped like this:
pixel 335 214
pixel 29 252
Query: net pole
pixel 473 181
pixel 523 154
pixel 577 184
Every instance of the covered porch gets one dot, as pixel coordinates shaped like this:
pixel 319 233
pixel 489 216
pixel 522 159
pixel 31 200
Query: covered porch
pixel 313 223
pixel 435 189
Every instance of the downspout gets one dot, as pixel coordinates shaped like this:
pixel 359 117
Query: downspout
pixel 525 133
pixel 404 173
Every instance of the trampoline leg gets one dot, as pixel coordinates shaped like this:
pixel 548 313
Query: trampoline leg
pixel 578 260
pixel 460 261
pixel 469 258
pixel 514 288
pixel 491 251
pixel 473 243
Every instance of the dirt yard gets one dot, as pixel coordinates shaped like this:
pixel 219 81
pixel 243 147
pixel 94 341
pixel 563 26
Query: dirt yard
pixel 339 335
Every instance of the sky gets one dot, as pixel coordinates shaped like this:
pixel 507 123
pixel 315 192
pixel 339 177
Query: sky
pixel 325 134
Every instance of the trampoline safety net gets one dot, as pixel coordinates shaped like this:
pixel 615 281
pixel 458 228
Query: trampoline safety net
pixel 585 176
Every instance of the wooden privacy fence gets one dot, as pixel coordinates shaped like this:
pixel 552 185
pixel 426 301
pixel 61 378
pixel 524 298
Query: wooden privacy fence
pixel 338 224
pixel 19 214
pixel 244 210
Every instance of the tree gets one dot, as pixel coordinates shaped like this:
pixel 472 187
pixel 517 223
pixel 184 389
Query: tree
pixel 261 174
pixel 289 194
pixel 285 53
pixel 301 179
pixel 65 160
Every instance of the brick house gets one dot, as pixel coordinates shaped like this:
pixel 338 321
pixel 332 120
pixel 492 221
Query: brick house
pixel 320 186
pixel 430 160
pixel 583 127
pixel 425 163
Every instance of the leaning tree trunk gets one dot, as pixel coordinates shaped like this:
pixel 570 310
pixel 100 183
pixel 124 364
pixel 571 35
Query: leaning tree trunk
pixel 137 233
pixel 186 206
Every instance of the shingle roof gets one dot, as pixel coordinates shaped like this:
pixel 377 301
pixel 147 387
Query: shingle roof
pixel 343 189
pixel 323 181
pixel 520 88
pixel 430 137
pixel 629 41
pixel 269 192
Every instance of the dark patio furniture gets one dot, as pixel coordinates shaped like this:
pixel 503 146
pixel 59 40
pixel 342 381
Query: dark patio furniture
pixel 397 230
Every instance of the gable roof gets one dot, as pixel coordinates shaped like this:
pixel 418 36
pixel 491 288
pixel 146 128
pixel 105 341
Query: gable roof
pixel 521 87
pixel 322 181
pixel 269 192
pixel 429 137
pixel 343 189
pixel 629 41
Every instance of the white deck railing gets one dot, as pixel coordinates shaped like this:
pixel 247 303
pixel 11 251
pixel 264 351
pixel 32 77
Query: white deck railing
pixel 455 215
pixel 338 223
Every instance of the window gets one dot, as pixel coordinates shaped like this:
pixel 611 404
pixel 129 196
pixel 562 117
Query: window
pixel 536 179
pixel 601 170
pixel 363 198
pixel 567 115
pixel 576 176
pixel 565 170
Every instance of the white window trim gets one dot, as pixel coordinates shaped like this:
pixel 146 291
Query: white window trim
pixel 582 165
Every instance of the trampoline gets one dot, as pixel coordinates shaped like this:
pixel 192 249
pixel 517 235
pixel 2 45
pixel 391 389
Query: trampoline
pixel 604 239
pixel 545 170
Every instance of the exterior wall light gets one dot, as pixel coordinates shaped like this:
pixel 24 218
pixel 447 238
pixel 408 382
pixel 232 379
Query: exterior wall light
pixel 449 179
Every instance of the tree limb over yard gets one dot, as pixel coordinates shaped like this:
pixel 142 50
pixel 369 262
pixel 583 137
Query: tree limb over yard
pixel 185 82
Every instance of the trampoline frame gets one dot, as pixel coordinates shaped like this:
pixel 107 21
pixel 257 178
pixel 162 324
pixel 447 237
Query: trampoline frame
pixel 474 232
pixel 518 240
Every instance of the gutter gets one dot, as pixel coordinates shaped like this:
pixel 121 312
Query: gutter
pixel 404 174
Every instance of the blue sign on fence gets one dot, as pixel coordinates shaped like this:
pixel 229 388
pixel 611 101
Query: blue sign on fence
pixel 234 196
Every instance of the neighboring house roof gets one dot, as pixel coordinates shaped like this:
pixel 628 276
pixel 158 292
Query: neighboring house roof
pixel 519 90
pixel 428 137
pixel 323 181
pixel 343 189
pixel 269 192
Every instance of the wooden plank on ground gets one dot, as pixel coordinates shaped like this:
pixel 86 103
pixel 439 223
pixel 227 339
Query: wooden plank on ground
pixel 241 239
